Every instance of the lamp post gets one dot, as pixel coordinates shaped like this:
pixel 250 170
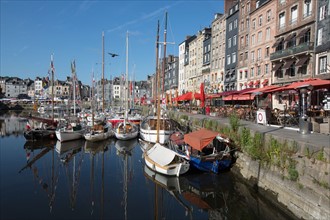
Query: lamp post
pixel 206 84
pixel 304 125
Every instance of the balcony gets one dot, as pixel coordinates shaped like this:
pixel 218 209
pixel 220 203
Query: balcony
pixel 301 48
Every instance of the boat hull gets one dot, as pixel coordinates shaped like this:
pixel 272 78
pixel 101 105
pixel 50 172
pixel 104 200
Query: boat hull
pixel 151 135
pixel 126 136
pixel 98 136
pixel 63 135
pixel 37 134
pixel 170 170
pixel 214 166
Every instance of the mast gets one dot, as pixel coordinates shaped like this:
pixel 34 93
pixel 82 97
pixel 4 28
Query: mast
pixel 52 70
pixel 73 70
pixel 127 92
pixel 157 84
pixel 164 57
pixel 103 71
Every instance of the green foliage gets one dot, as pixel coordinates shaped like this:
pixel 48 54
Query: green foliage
pixel 293 173
pixel 320 156
pixel 234 122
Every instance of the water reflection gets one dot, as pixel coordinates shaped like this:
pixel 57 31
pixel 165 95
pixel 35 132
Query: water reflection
pixel 47 179
pixel 124 151
pixel 94 148
pixel 71 160
pixel 45 171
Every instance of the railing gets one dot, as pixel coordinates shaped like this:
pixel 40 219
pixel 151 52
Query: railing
pixel 292 50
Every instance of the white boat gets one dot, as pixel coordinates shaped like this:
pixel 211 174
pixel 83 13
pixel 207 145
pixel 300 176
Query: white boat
pixel 99 132
pixel 71 132
pixel 126 130
pixel 148 129
pixel 165 161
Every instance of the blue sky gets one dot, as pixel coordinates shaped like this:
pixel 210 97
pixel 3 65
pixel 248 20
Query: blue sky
pixel 72 30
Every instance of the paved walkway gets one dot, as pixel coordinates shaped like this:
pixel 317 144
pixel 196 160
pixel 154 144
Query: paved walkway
pixel 313 139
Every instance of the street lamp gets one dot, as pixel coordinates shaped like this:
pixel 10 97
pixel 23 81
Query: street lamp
pixel 304 125
pixel 206 84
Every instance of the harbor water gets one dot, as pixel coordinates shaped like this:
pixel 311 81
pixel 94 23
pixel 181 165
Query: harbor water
pixel 109 180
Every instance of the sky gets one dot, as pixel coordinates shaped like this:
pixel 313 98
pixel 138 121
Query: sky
pixel 31 31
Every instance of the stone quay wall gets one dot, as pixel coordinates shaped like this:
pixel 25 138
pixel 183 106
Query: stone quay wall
pixel 295 168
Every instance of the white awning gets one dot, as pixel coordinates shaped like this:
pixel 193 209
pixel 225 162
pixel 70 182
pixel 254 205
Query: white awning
pixel 161 155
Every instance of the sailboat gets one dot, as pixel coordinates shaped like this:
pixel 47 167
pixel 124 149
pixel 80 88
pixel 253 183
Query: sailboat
pixel 158 128
pixel 159 157
pixel 103 130
pixel 40 127
pixel 72 129
pixel 126 130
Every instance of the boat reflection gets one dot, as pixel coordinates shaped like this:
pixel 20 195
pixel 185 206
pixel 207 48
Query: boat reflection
pixel 172 184
pixel 95 149
pixel 71 156
pixel 124 149
pixel 208 192
pixel 45 170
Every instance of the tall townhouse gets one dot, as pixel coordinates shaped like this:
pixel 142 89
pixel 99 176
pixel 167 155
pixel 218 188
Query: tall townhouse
pixel 293 52
pixel 322 43
pixel 201 58
pixel 184 68
pixel 218 45
pixel 191 68
pixel 262 34
pixel 231 46
pixel 13 86
pixel 171 74
pixel 207 76
pixel 243 43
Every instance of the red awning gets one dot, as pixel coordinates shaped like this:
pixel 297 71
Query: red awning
pixel 265 82
pixel 200 139
pixel 261 90
pixel 239 97
pixel 250 83
pixel 316 83
pixel 257 82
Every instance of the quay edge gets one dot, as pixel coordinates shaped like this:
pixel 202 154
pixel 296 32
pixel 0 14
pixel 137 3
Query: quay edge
pixel 301 183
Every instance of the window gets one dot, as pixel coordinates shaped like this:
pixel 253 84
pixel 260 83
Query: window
pixel 252 39
pixel 319 36
pixel 252 72
pixel 228 59
pixel 282 20
pixel 269 13
pixel 247 23
pixel 252 56
pixel 266 68
pixel 230 26
pixel 246 40
pixel 322 65
pixel 253 23
pixel 267 52
pixel 229 43
pixel 291 70
pixel 268 33
pixel 322 12
pixel 233 56
pixel 260 20
pixel 258 71
pixel 241 57
pixel 307 8
pixel 234 40
pixel 259 36
pixel 282 1
pixel 235 23
pixel 257 4
pixel 259 54
pixel 279 73
pixel 294 14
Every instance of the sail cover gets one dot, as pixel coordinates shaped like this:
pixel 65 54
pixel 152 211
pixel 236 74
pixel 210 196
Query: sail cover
pixel 161 155
pixel 200 139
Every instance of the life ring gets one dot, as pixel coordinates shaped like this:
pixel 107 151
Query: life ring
pixel 260 117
